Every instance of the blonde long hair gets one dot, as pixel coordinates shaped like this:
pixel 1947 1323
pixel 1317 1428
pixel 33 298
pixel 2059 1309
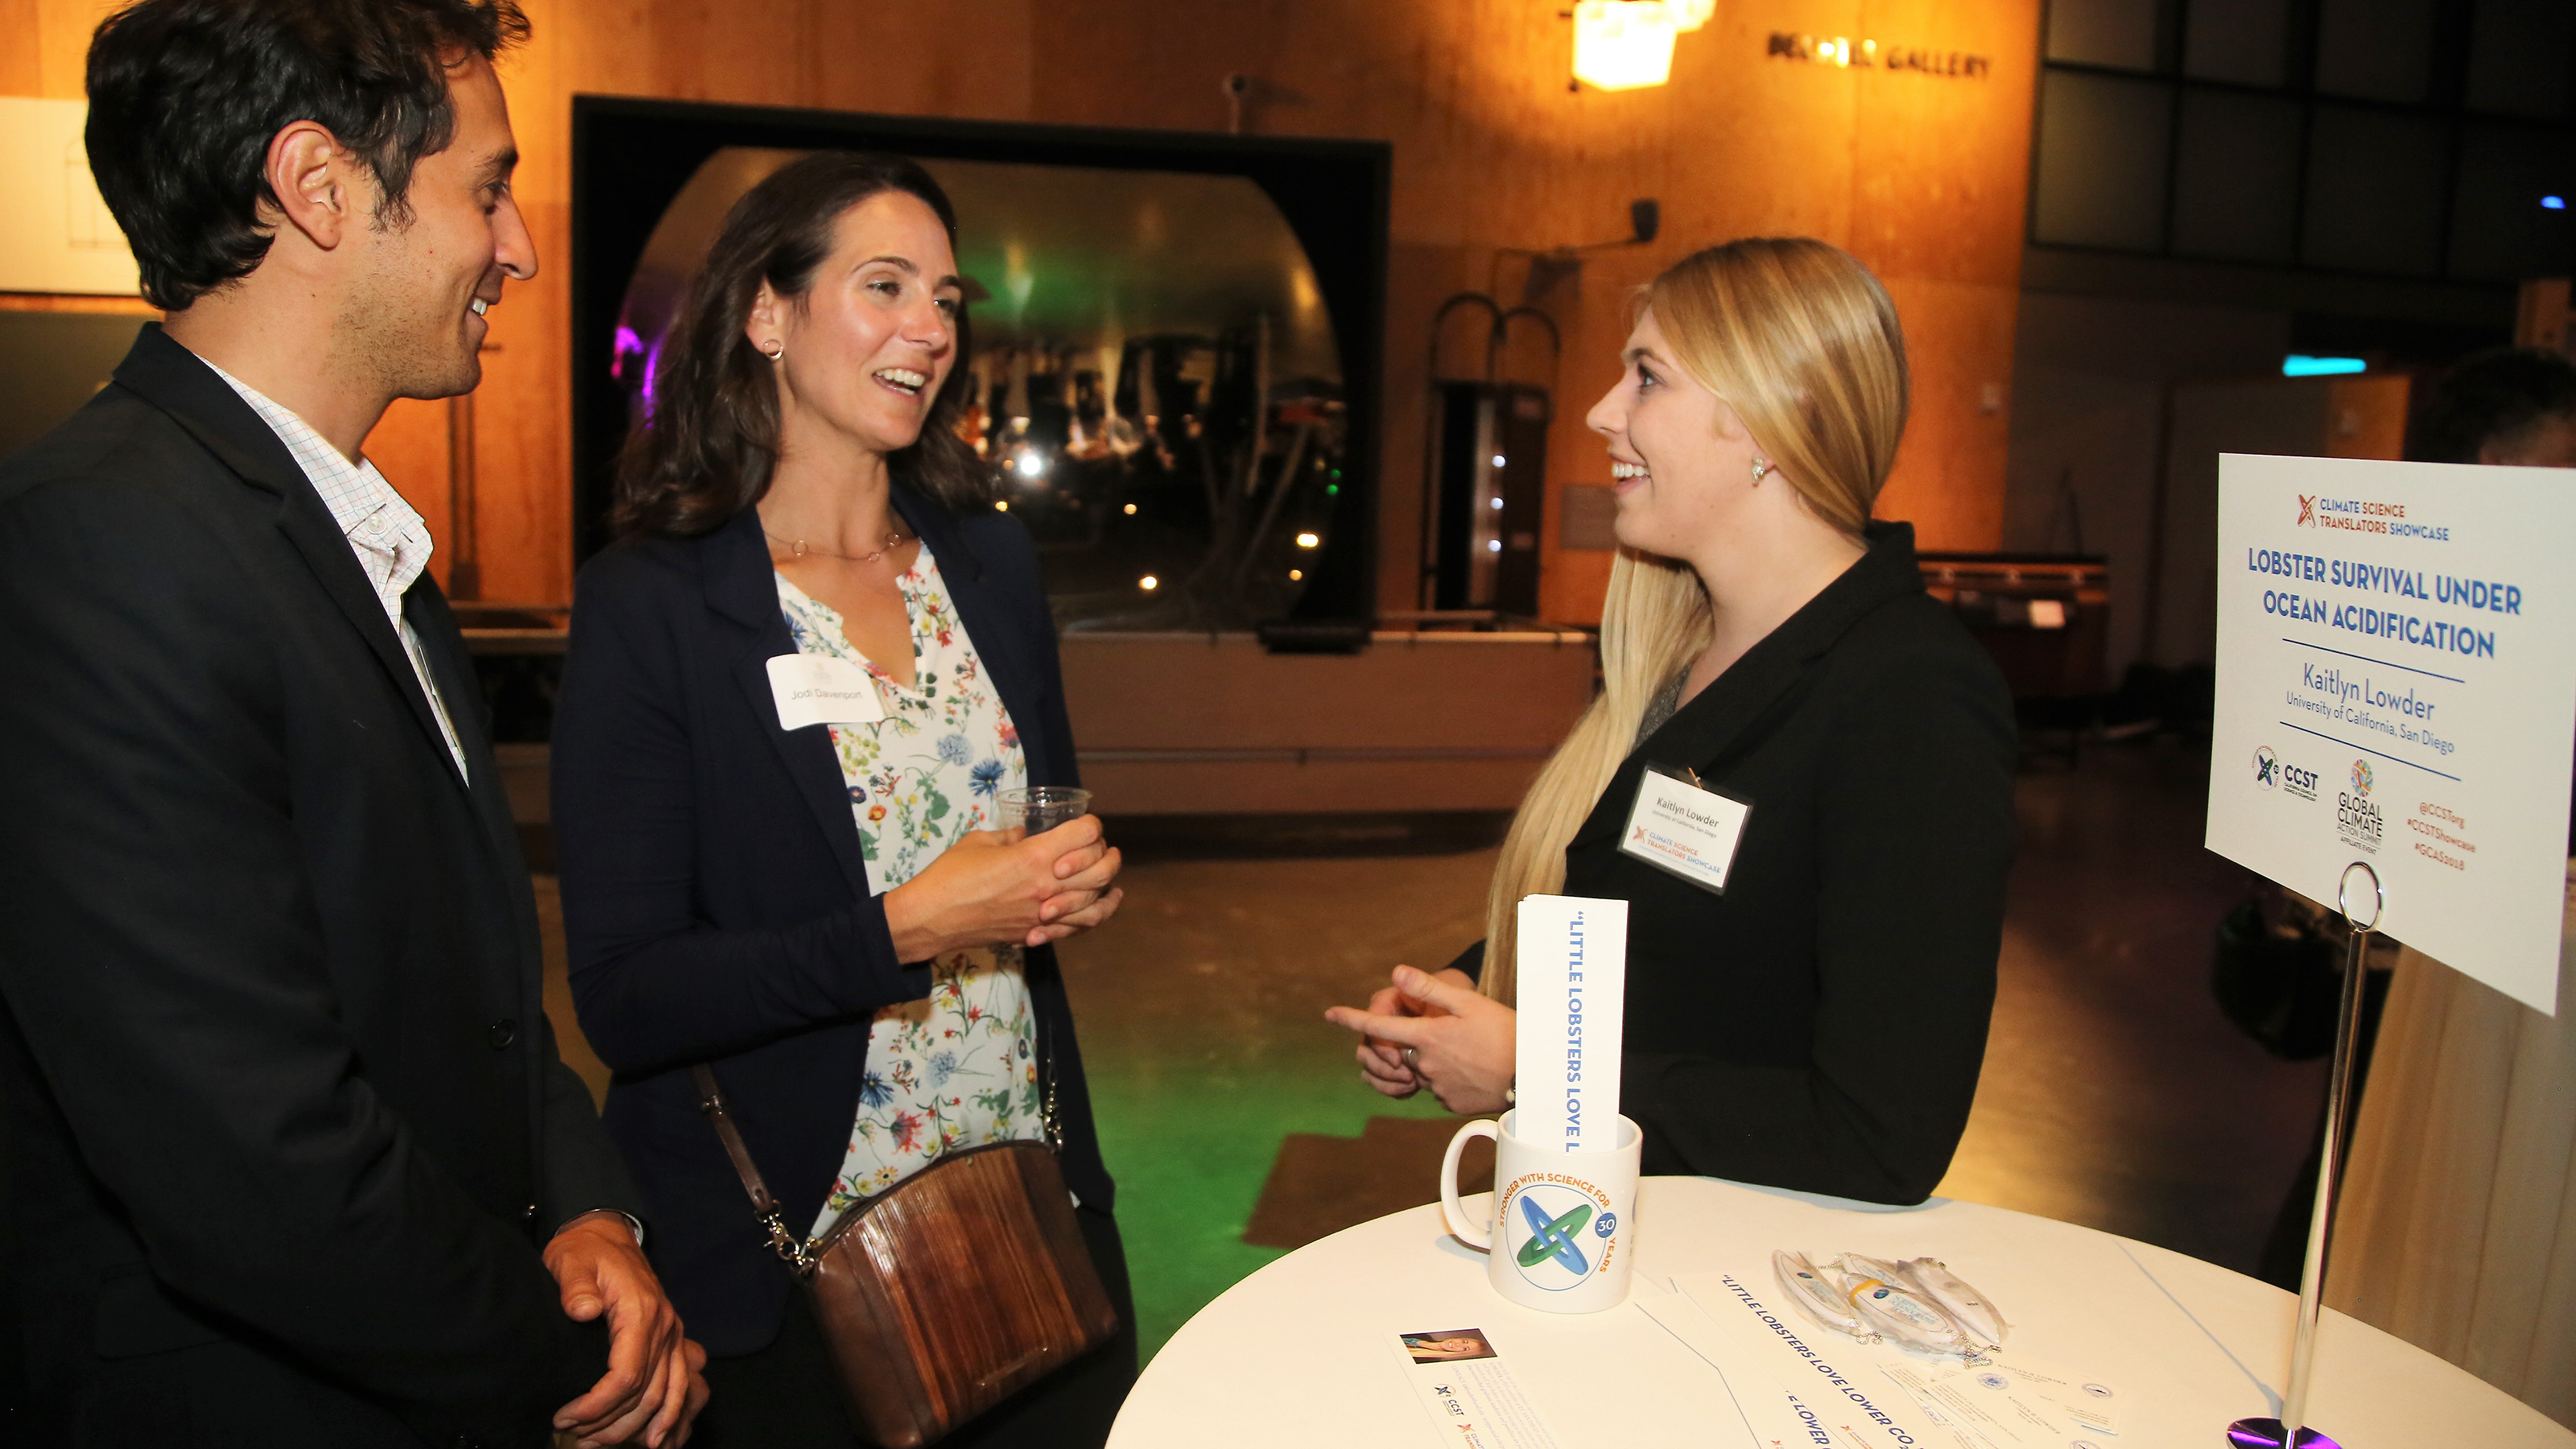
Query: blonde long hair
pixel 1804 344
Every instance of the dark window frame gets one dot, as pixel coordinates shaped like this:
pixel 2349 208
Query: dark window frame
pixel 2445 106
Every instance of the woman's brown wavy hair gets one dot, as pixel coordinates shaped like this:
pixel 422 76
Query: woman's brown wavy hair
pixel 709 439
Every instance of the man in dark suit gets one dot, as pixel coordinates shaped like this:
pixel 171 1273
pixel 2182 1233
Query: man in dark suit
pixel 290 1157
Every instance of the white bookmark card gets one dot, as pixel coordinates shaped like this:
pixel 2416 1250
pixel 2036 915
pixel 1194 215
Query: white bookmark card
pixel 1468 1390
pixel 1572 995
pixel 812 689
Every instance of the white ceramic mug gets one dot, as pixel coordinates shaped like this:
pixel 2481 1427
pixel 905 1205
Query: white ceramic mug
pixel 1565 1234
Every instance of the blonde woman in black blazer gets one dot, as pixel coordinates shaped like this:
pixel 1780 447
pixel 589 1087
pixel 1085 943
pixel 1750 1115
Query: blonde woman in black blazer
pixel 1820 1025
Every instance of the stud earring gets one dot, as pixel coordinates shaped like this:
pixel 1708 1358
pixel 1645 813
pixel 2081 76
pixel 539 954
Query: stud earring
pixel 775 351
pixel 1760 467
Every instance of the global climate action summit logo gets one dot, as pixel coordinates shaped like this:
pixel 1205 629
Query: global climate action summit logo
pixel 2357 820
pixel 1553 1257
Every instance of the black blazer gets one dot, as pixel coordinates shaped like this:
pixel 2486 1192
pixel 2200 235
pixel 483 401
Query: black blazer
pixel 285 1121
pixel 715 901
pixel 1821 1024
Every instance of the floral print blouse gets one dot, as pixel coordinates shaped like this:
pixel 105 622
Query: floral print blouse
pixel 958 1068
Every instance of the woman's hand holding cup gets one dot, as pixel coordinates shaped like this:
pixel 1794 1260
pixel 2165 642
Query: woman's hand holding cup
pixel 1005 885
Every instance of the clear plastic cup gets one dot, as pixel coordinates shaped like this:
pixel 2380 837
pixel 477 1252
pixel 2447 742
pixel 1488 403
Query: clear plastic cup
pixel 1041 808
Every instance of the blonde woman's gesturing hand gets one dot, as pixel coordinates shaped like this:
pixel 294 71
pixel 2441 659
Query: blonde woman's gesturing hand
pixel 1459 1041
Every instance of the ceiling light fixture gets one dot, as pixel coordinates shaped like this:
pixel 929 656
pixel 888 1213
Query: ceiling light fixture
pixel 1624 45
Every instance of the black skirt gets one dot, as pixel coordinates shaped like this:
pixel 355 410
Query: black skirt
pixel 782 1396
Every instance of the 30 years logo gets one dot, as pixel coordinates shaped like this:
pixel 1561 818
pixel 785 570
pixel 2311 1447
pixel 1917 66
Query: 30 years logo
pixel 1552 1256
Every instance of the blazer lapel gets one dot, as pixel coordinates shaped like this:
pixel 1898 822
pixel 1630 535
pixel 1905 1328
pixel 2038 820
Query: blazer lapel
pixel 741 586
pixel 175 380
pixel 1702 733
pixel 998 638
pixel 443 646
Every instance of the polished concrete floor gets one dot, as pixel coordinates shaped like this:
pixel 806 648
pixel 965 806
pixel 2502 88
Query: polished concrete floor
pixel 2114 1093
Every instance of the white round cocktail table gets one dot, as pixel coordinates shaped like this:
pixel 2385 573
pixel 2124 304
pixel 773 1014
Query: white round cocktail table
pixel 1301 1353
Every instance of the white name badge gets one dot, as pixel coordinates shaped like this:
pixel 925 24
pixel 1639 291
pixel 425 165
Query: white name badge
pixel 812 689
pixel 1684 830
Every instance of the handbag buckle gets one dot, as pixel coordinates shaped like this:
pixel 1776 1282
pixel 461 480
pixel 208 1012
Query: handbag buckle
pixel 796 1252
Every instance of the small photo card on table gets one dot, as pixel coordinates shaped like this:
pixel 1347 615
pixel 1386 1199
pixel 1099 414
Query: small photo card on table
pixel 1572 998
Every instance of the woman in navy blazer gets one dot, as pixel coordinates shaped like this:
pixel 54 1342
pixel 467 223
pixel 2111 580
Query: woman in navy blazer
pixel 717 902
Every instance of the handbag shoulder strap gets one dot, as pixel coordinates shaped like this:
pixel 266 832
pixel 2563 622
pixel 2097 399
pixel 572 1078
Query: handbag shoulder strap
pixel 791 1249
pixel 796 1251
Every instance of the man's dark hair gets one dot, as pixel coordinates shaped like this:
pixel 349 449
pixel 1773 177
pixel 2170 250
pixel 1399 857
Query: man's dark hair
pixel 185 95
pixel 2490 398
pixel 705 448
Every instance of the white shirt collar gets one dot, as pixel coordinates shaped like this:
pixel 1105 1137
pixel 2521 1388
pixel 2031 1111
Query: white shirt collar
pixel 390 538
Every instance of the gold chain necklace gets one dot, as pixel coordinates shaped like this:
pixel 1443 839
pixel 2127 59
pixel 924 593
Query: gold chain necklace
pixel 798 548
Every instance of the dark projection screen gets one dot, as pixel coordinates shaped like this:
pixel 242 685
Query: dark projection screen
pixel 1176 338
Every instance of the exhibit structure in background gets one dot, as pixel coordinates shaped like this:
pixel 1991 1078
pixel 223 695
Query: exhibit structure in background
pixel 1177 338
pixel 2396 684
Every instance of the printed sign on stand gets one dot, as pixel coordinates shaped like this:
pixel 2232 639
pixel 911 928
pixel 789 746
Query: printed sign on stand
pixel 2396 684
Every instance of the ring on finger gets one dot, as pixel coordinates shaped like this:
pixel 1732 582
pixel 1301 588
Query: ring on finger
pixel 1412 1056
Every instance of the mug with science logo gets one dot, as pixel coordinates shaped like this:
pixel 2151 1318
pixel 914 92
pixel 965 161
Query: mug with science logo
pixel 1564 1233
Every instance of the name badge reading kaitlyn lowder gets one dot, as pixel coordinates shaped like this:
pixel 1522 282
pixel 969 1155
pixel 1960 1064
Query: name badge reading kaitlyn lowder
pixel 812 689
pixel 1681 829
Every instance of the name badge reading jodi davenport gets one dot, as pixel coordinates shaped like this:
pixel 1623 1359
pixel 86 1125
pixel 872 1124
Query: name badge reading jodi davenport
pixel 1684 830
pixel 812 689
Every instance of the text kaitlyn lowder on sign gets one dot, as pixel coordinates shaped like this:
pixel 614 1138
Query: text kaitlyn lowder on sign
pixel 2396 683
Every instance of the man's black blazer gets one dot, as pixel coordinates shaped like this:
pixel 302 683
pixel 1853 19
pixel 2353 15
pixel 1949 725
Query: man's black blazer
pixel 1821 1024
pixel 715 903
pixel 285 1122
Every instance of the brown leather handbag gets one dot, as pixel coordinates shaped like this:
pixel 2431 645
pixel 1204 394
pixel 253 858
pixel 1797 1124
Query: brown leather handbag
pixel 949 1291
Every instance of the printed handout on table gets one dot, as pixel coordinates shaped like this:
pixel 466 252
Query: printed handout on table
pixel 1795 1385
pixel 1466 1386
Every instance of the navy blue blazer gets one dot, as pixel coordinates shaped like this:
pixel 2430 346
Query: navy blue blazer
pixel 715 902
pixel 281 1120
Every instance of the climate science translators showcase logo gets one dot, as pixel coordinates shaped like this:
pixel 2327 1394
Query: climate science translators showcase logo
pixel 2365 515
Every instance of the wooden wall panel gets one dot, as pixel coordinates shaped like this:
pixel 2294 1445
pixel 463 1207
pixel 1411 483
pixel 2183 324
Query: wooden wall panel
pixel 1958 345
pixel 522 430
pixel 1922 177
pixel 62 43
pixel 22 30
pixel 409 446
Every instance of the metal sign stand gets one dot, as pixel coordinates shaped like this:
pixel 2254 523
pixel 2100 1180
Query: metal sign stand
pixel 2290 1431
